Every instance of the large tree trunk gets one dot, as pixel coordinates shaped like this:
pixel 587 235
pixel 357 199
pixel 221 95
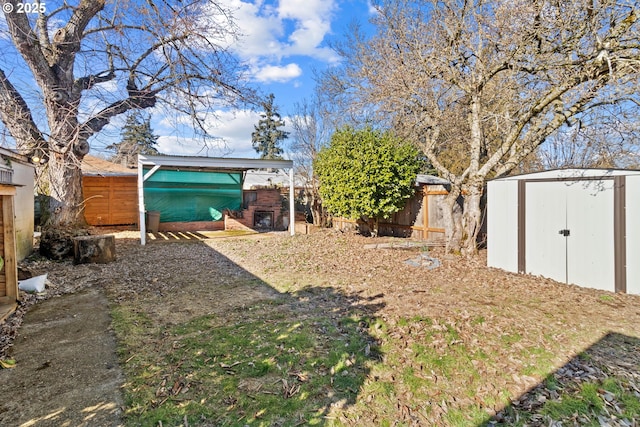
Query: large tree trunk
pixel 472 191
pixel 472 217
pixel 451 225
pixel 67 148
pixel 66 202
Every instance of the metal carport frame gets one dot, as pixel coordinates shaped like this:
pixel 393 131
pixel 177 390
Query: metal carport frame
pixel 211 164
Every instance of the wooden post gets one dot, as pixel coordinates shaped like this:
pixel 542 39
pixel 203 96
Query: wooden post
pixel 425 212
pixel 10 261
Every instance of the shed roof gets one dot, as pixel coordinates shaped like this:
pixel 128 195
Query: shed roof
pixel 95 166
pixel 431 179
pixel 571 173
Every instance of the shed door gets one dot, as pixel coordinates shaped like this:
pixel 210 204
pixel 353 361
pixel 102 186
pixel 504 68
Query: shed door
pixel 591 260
pixel 545 216
pixel 569 232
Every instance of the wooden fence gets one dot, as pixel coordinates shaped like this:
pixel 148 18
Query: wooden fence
pixel 110 200
pixel 421 217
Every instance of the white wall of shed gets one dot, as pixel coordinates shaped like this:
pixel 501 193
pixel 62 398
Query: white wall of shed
pixel 23 175
pixel 587 256
pixel 633 234
pixel 502 225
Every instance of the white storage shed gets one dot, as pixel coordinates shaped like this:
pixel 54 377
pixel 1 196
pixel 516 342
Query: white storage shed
pixel 579 226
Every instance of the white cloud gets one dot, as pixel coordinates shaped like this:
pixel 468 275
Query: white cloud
pixel 274 73
pixel 372 9
pixel 259 28
pixel 181 146
pixel 233 128
pixel 312 23
pixel 272 32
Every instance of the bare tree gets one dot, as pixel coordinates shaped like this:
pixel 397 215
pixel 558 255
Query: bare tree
pixel 309 135
pixel 92 60
pixel 480 85
pixel 610 140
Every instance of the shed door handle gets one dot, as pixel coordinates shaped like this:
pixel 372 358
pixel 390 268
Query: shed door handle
pixel 564 232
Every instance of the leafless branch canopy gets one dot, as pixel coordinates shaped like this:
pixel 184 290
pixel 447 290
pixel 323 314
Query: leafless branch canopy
pixel 94 60
pixel 69 67
pixel 495 76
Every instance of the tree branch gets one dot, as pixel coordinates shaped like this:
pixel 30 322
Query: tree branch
pixel 88 82
pixel 67 40
pixel 16 116
pixel 26 41
pixel 140 99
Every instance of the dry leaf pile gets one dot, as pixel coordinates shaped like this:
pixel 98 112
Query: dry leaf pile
pixel 462 307
pixel 504 324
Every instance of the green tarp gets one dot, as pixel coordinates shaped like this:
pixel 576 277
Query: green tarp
pixel 183 196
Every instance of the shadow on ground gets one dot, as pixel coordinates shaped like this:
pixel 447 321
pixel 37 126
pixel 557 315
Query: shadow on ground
pixel 601 383
pixel 205 342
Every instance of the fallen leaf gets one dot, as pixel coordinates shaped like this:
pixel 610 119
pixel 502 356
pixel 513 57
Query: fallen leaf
pixel 225 366
pixel 7 364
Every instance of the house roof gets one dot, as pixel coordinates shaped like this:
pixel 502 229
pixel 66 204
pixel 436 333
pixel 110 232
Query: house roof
pixel 95 166
pixel 15 156
pixel 572 173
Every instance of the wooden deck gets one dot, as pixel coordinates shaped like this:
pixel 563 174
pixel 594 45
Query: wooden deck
pixel 194 236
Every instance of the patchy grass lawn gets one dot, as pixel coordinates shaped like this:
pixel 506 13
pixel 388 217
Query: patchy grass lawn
pixel 318 330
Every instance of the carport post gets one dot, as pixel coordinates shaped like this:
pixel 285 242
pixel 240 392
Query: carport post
pixel 141 179
pixel 143 226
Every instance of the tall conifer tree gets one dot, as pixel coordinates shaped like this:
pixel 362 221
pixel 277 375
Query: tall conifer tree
pixel 137 138
pixel 267 136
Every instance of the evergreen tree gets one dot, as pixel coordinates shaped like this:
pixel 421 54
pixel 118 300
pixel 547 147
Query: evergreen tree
pixel 267 136
pixel 137 138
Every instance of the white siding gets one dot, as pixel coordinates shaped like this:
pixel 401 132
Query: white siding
pixel 585 208
pixel 23 174
pixel 572 200
pixel 502 225
pixel 633 234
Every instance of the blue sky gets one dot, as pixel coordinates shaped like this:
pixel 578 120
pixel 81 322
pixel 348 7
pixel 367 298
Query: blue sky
pixel 283 43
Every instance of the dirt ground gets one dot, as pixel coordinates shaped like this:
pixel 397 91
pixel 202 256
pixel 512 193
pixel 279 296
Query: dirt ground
pixel 67 371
